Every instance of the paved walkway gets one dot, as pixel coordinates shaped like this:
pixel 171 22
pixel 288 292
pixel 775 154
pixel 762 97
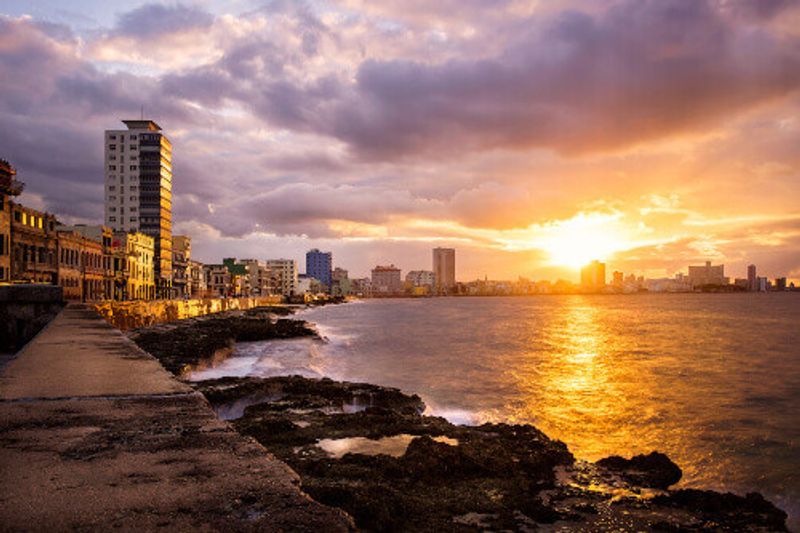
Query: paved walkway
pixel 95 434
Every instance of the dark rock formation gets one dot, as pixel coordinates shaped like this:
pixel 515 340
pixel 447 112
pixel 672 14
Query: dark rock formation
pixel 193 342
pixel 736 513
pixel 369 451
pixel 652 470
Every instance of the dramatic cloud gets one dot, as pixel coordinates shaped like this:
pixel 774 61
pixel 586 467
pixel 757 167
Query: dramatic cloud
pixel 379 128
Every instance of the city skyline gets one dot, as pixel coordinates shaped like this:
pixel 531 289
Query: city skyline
pixel 332 153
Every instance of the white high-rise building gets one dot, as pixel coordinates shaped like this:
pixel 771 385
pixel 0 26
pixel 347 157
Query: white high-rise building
pixel 138 189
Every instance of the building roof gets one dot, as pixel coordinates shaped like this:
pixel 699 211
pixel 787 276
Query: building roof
pixel 142 125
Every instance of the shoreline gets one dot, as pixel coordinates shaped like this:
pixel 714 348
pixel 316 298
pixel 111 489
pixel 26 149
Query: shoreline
pixel 492 475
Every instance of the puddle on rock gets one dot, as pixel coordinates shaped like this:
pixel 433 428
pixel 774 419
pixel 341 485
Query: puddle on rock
pixel 394 446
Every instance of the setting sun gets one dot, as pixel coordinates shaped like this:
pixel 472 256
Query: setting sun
pixel 575 242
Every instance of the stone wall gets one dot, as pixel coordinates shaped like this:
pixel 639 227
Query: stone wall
pixel 24 310
pixel 136 314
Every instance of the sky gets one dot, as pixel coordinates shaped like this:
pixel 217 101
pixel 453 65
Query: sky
pixel 532 136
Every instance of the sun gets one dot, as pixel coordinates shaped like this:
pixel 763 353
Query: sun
pixel 576 242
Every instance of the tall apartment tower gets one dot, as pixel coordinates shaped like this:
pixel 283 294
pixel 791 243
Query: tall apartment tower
pixel 319 265
pixel 138 176
pixel 444 269
pixel 752 278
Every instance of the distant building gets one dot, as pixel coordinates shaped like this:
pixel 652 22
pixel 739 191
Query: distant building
pixel 285 273
pixel 138 195
pixel 707 275
pixel 319 266
pixel 780 284
pixel 752 278
pixel 444 269
pixel 593 276
pixel 181 255
pixel 361 286
pixel 421 278
pixel 260 279
pixel 386 280
pixel 340 284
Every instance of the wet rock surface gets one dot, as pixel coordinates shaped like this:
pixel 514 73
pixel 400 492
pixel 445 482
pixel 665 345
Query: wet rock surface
pixel 370 451
pixel 187 344
pixel 652 470
pixel 422 473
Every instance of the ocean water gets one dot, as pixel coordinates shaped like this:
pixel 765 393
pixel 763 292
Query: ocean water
pixel 711 380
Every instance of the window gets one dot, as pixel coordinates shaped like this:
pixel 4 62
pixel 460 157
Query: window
pixel 112 158
pixel 112 219
pixel 112 209
pixel 112 137
pixel 133 167
pixel 112 167
pixel 133 219
pixel 133 209
pixel 17 216
pixel 112 188
pixel 133 198
pixel 25 218
pixel 112 146
pixel 112 198
pixel 133 137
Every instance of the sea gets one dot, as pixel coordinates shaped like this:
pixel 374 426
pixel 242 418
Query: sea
pixel 712 380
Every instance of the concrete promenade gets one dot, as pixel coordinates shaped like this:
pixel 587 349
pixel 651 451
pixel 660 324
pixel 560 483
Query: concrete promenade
pixel 95 434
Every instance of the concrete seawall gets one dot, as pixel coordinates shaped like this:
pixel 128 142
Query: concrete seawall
pixel 96 435
pixel 136 314
pixel 24 310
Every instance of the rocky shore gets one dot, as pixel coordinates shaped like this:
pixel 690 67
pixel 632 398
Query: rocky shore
pixel 371 451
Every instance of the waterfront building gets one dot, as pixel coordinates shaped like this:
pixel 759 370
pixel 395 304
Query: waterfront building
pixel 752 278
pixel 181 255
pixel 260 280
pixel 239 283
pixel 134 267
pixel 218 280
pixel 780 284
pixel 9 188
pixel 81 268
pixel 707 274
pixel 196 281
pixel 444 269
pixel 285 275
pixel 34 246
pixel 340 282
pixel 593 276
pixel 742 283
pixel 319 266
pixel 386 280
pixel 103 235
pixel 424 279
pixel 138 190
pixel 361 286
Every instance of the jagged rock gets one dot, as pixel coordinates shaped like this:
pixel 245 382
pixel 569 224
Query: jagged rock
pixel 652 470
pixel 731 512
